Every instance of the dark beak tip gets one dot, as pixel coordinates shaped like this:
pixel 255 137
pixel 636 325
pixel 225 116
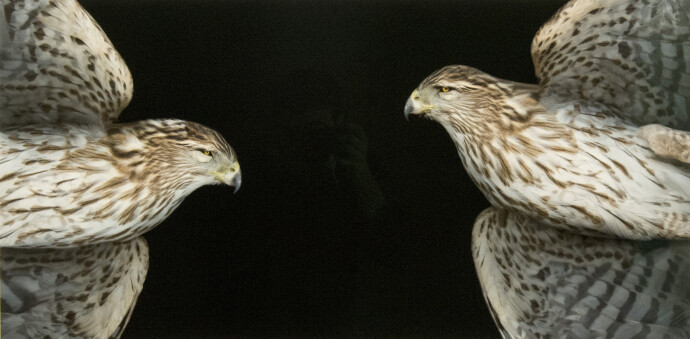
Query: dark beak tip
pixel 236 183
pixel 408 110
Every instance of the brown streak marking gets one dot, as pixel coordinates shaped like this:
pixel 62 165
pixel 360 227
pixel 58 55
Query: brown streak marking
pixel 595 220
pixel 22 176
pixel 562 149
pixel 128 214
pixel 110 184
pixel 88 202
pixel 621 167
pixel 8 176
pixel 7 202
pixel 25 235
pixel 68 211
pixel 549 174
pixel 628 224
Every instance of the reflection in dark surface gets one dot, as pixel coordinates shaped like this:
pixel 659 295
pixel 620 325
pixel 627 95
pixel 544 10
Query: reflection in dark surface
pixel 314 146
pixel 544 282
pixel 82 292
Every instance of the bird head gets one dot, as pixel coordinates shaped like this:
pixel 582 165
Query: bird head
pixel 453 90
pixel 470 102
pixel 213 156
pixel 193 154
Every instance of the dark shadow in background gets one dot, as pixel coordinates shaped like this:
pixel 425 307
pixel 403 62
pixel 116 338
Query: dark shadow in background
pixel 351 221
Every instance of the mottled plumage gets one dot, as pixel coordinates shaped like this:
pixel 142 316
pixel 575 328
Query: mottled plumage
pixel 567 152
pixel 542 282
pixel 85 292
pixel 596 148
pixel 70 175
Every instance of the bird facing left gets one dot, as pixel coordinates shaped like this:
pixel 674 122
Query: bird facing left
pixel 69 174
pixel 572 152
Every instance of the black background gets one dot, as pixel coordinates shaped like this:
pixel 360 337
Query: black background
pixel 289 255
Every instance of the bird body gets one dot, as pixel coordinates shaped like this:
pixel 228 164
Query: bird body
pixel 69 185
pixel 70 174
pixel 576 165
pixel 598 148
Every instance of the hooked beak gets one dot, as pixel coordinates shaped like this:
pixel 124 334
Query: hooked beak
pixel 415 106
pixel 232 176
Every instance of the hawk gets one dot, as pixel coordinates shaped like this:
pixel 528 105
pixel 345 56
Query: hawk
pixel 569 152
pixel 543 282
pixel 70 174
pixel 597 149
pixel 82 292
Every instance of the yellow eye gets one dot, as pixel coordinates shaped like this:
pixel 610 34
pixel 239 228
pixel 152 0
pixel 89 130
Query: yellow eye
pixel 209 153
pixel 445 89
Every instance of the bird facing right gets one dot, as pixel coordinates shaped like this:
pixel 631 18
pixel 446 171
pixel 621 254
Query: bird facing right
pixel 569 152
pixel 70 175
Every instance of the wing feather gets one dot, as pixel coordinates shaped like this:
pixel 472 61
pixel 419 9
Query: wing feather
pixel 57 65
pixel 540 281
pixel 83 292
pixel 633 56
